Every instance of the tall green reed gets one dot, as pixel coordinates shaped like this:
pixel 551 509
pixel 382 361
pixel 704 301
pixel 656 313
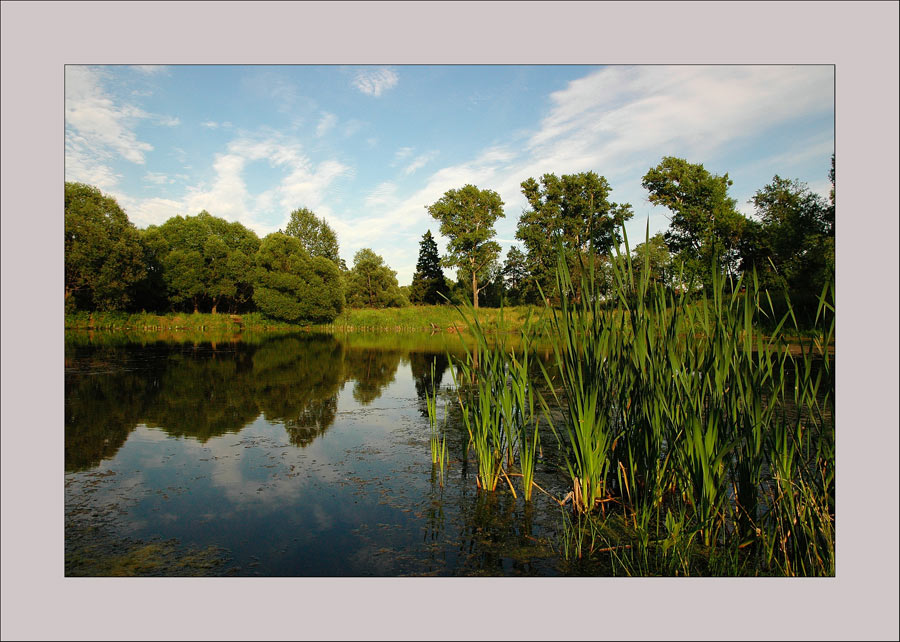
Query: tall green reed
pixel 438 441
pixel 711 438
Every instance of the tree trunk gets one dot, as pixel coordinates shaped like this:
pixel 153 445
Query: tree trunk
pixel 474 289
pixel 215 305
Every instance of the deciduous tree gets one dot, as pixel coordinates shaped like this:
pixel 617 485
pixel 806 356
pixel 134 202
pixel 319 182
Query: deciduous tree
pixel 575 210
pixel 705 226
pixel 371 283
pixel 103 254
pixel 314 234
pixel 467 216
pixel 293 286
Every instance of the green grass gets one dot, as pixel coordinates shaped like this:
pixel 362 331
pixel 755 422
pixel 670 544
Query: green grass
pixel 173 322
pixel 433 318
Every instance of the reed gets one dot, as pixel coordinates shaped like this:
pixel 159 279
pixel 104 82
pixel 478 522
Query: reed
pixel 712 441
pixel 438 440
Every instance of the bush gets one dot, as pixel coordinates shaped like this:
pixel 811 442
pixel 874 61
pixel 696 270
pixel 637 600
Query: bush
pixel 289 285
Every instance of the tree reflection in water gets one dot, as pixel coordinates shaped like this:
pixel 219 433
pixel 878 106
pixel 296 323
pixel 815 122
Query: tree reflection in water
pixel 204 390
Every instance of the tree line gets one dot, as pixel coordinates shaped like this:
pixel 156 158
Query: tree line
pixel 204 263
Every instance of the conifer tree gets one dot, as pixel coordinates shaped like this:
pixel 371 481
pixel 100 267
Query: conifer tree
pixel 428 282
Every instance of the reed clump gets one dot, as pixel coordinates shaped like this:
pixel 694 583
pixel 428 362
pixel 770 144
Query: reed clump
pixel 712 443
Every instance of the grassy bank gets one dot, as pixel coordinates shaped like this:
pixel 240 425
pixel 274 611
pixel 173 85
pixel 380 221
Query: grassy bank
pixel 434 318
pixel 199 322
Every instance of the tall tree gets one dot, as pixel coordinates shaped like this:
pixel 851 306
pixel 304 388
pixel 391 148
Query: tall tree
pixel 705 226
pixel 516 276
pixel 655 252
pixel 315 235
pixel 794 235
pixel 205 259
pixel 103 254
pixel 467 216
pixel 428 280
pixel 293 286
pixel 573 209
pixel 371 283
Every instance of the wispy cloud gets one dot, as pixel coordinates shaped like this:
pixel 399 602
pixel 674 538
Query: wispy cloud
pixel 375 81
pixel 102 124
pixel 157 179
pixel 298 181
pixel 419 162
pixel 384 194
pixel 402 153
pixel 152 70
pixel 326 124
pixel 101 129
pixel 618 121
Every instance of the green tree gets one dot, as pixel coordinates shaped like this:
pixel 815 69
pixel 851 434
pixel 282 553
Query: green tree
pixel 467 216
pixel 372 284
pixel 657 253
pixel 705 227
pixel 292 286
pixel 792 242
pixel 103 253
pixel 573 209
pixel 315 235
pixel 491 290
pixel 151 292
pixel 428 280
pixel 516 276
pixel 205 260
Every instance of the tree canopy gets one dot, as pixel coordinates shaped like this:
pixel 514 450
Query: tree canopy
pixel 103 253
pixel 792 242
pixel 371 283
pixel 574 210
pixel 705 226
pixel 291 285
pixel 467 216
pixel 315 235
pixel 205 260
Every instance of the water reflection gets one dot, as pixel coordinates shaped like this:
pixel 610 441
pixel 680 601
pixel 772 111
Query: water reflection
pixel 205 390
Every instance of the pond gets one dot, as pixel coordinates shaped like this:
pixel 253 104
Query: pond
pixel 296 455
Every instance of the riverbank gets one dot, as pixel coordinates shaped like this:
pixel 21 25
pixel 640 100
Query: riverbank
pixel 429 318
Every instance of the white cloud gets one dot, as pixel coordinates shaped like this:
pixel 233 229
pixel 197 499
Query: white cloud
pixel 375 81
pixel 84 165
pixel 402 153
pixel 298 182
pixel 100 130
pixel 152 70
pixel 157 178
pixel 210 124
pixel 419 163
pixel 352 127
pixel 100 122
pixel 618 121
pixel 384 194
pixel 326 123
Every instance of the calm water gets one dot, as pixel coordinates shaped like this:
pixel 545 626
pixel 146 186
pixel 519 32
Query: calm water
pixel 302 455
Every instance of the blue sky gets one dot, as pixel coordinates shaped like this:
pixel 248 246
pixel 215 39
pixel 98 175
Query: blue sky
pixel 369 148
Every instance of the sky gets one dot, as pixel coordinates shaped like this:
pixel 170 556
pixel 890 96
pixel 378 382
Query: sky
pixel 369 148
